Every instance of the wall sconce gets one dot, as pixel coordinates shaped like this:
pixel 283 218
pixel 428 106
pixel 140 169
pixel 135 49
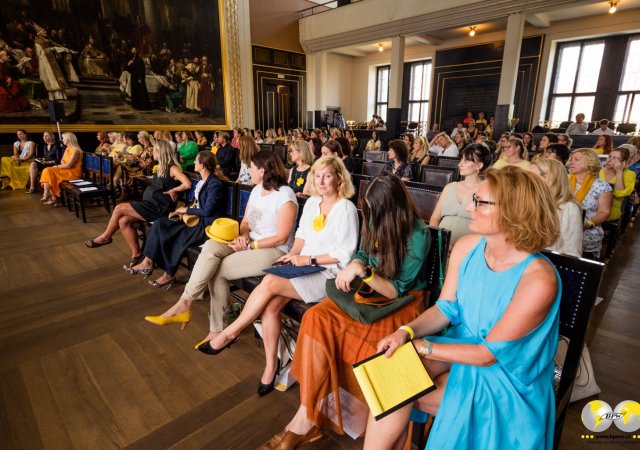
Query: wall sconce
pixel 614 6
pixel 472 31
pixel 380 46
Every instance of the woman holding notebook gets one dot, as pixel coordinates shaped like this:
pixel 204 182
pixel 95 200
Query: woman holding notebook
pixel 390 262
pixel 501 302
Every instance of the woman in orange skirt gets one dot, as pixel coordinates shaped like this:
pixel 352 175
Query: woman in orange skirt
pixel 330 340
pixel 69 168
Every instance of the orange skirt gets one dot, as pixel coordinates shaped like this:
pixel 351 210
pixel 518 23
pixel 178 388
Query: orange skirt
pixel 54 176
pixel 329 343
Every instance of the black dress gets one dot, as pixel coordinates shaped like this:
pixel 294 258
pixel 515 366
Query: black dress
pixel 298 179
pixel 47 152
pixel 169 239
pixel 154 203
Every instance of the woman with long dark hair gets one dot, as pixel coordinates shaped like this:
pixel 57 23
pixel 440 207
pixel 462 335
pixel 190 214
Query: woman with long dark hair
pixel 393 249
pixel 169 239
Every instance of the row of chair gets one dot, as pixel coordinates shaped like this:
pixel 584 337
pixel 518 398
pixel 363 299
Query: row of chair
pixel 96 185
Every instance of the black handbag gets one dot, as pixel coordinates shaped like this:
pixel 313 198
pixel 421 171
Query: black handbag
pixel 368 312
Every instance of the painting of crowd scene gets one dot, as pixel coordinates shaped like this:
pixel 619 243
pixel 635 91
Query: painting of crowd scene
pixel 111 62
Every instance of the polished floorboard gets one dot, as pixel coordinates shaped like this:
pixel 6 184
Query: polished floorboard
pixel 81 369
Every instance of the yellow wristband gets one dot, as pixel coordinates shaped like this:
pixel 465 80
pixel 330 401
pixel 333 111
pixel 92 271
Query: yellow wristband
pixel 408 329
pixel 255 245
pixel 370 277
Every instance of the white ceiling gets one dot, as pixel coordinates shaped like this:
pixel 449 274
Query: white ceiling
pixel 538 20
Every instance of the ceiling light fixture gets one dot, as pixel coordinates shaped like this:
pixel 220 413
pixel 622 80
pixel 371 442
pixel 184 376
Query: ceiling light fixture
pixel 614 6
pixel 380 46
pixel 472 31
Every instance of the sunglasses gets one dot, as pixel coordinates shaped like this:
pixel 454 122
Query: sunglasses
pixel 477 202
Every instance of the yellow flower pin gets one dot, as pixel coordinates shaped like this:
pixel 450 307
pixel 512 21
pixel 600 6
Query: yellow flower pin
pixel 299 181
pixel 318 223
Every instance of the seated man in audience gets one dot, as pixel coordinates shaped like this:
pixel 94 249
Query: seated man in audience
pixel 579 126
pixel 603 129
pixel 227 155
pixel 459 127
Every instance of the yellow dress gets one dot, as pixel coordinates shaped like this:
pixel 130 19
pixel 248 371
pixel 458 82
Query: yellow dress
pixel 17 172
pixel 56 175
pixel 629 177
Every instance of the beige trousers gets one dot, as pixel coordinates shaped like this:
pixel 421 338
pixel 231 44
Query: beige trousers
pixel 216 265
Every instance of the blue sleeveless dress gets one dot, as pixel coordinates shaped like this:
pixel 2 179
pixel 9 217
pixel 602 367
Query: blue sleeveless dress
pixel 510 404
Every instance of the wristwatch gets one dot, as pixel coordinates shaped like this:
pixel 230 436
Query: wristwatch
pixel 313 261
pixel 425 351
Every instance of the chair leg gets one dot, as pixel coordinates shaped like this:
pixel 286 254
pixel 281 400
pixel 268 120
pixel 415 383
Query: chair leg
pixel 84 214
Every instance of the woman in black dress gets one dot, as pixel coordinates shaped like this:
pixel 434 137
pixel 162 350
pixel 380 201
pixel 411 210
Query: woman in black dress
pixel 158 200
pixel 302 158
pixel 170 237
pixel 49 150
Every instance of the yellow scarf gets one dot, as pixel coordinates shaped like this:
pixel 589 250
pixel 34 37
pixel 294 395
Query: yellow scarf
pixel 584 187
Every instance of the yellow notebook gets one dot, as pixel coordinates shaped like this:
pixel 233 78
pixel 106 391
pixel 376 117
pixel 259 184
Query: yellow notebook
pixel 391 383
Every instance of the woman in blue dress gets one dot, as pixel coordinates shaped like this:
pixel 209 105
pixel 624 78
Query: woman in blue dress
pixel 493 368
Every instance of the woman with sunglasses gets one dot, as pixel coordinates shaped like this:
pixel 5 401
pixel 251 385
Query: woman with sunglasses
pixel 493 367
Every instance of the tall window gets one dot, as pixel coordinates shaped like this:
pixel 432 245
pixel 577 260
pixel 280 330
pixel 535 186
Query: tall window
pixel 382 91
pixel 628 101
pixel 575 80
pixel 419 88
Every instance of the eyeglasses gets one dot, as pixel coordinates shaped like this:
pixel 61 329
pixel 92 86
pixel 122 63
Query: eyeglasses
pixel 477 202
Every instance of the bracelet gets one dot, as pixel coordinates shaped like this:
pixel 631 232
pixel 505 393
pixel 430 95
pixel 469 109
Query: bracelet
pixel 425 351
pixel 371 275
pixel 590 223
pixel 409 330
pixel 255 245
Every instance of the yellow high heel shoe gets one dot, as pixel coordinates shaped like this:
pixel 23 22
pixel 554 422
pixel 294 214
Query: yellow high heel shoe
pixel 183 318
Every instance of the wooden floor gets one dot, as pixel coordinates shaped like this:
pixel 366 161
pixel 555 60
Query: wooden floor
pixel 80 368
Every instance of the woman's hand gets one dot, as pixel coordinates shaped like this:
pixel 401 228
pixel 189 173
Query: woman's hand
pixel 178 212
pixel 239 244
pixel 173 194
pixel 346 276
pixel 389 344
pixel 297 260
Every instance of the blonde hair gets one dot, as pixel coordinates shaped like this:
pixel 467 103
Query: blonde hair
pixel 71 139
pixel 305 150
pixel 555 175
pixel 248 148
pixel 527 212
pixel 591 160
pixel 522 150
pixel 345 185
pixel 166 157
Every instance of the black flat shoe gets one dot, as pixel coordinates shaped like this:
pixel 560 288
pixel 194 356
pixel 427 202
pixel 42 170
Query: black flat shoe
pixel 207 349
pixel 264 389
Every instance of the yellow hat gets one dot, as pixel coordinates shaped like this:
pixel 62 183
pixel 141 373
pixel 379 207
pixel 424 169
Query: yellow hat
pixel 223 230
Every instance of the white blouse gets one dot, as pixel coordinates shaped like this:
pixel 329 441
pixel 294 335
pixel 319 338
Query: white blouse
pixel 338 238
pixel 570 238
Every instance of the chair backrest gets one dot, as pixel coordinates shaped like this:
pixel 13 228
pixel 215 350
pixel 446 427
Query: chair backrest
pixel 375 155
pixel 301 202
pixel 438 176
pixel 355 179
pixel 281 151
pixel 580 280
pixel 437 259
pixel 447 161
pixel 626 128
pixel 189 195
pixel 364 183
pixel 91 166
pixel 232 188
pixel 106 172
pixel 266 147
pixel 425 198
pixel 372 169
pixel 244 191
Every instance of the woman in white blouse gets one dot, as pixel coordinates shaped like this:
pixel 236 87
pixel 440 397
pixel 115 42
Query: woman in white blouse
pixel 327 236
pixel 442 145
pixel 569 211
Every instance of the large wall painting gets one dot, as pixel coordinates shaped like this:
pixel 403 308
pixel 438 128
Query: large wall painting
pixel 113 63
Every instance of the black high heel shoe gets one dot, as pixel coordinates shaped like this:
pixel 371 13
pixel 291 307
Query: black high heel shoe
pixel 207 349
pixel 264 389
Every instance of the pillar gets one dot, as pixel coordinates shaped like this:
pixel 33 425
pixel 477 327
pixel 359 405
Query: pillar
pixel 509 73
pixel 395 87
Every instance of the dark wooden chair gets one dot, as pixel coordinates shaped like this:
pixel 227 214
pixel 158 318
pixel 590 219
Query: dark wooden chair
pixel 438 176
pixel 372 169
pixel 100 190
pixel 375 155
pixel 268 147
pixel 447 161
pixel 281 151
pixel 90 173
pixel 580 283
pixel 242 198
pixel 425 198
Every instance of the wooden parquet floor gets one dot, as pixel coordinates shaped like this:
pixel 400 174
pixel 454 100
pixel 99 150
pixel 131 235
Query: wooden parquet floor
pixel 81 369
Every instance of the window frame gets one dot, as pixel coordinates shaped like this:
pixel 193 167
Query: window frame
pixel 633 95
pixel 378 103
pixel 422 114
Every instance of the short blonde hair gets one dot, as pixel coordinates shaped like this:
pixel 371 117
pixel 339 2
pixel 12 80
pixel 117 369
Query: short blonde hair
pixel 591 160
pixel 305 150
pixel 555 174
pixel 345 185
pixel 527 213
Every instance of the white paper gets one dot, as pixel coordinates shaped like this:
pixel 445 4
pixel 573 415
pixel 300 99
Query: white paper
pixel 86 189
pixel 83 183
